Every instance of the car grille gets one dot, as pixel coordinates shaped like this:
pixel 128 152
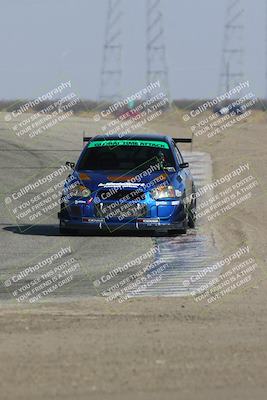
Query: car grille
pixel 75 211
pixel 122 194
pixel 120 210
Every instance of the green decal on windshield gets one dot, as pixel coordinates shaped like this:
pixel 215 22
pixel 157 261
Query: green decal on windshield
pixel 142 143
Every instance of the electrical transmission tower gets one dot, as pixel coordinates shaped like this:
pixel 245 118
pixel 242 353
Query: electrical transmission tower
pixel 266 47
pixel 232 53
pixel 156 50
pixel 111 73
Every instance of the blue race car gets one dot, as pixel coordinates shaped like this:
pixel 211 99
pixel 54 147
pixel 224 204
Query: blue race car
pixel 129 182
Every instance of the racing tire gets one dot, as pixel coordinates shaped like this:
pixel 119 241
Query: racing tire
pixel 178 232
pixel 192 213
pixel 181 231
pixel 65 231
pixel 191 218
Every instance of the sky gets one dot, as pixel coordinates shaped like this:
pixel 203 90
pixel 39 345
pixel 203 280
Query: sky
pixel 45 42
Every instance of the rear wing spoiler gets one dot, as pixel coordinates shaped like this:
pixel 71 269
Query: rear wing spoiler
pixel 182 140
pixel 86 139
pixel 176 140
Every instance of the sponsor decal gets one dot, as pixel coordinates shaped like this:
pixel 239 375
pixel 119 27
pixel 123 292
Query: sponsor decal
pixel 93 220
pixel 148 221
pixel 142 143
pixel 121 184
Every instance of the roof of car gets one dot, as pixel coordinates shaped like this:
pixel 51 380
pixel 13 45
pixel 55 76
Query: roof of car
pixel 136 136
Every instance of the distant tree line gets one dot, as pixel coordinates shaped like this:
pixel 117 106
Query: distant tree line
pixel 88 105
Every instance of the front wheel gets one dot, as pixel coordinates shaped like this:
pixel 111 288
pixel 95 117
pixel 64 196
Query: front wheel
pixel 63 230
pixel 192 213
pixel 181 231
pixel 191 218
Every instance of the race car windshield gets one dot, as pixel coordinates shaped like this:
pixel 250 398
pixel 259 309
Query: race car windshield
pixel 126 155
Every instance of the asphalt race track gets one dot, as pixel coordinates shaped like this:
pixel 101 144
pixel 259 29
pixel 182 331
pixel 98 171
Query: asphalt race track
pixel 24 244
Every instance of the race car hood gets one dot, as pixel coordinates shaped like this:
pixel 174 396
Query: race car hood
pixel 95 179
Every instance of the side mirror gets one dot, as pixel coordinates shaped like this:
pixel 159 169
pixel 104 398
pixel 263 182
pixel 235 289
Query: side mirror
pixel 184 165
pixel 70 164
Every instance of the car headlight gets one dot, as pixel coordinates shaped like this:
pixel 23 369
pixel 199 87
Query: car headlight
pixel 79 191
pixel 164 192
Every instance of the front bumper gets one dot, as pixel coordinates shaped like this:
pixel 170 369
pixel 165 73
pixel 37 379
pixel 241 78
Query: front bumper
pixel 161 218
pixel 101 225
